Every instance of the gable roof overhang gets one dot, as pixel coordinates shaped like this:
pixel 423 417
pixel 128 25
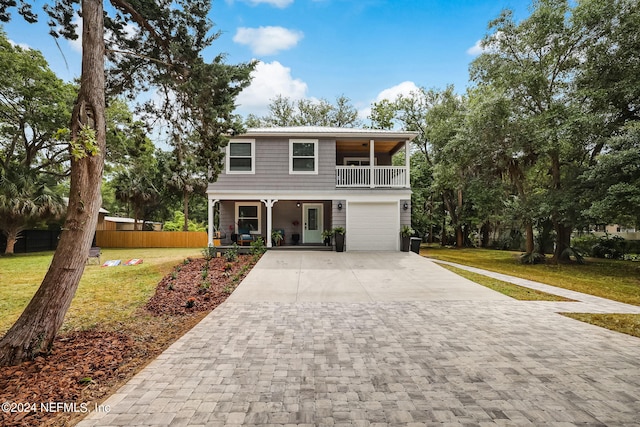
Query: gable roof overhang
pixel 347 139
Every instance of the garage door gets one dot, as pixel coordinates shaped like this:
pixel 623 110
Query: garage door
pixel 373 226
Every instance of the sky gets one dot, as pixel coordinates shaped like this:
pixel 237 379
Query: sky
pixel 366 50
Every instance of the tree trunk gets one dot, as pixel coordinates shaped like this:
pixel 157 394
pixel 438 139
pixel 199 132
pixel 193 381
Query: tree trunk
pixel 185 199
pixel 459 230
pixel 528 231
pixel 563 242
pixel 12 238
pixel 459 237
pixel 35 330
pixel 484 233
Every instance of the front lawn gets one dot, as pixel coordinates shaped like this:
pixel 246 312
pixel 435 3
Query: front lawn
pixel 615 280
pixel 106 295
pixel 121 318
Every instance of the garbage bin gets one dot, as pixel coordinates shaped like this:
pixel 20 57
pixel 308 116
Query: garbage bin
pixel 415 244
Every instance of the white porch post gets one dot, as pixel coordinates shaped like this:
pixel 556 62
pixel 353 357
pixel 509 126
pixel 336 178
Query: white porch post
pixel 269 204
pixel 212 204
pixel 407 163
pixel 372 163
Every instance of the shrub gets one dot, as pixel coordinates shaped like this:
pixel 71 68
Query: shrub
pixel 231 255
pixel 209 252
pixel 258 247
pixel 532 258
pixel 614 247
pixel 406 231
pixel 204 286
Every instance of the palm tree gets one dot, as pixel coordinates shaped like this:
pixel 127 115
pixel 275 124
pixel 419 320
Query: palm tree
pixel 135 188
pixel 26 198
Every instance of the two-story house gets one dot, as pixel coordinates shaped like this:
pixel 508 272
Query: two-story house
pixel 304 180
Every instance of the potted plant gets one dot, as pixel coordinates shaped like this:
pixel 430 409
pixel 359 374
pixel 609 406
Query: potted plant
pixel 276 237
pixel 406 232
pixel 338 233
pixel 326 236
pixel 295 237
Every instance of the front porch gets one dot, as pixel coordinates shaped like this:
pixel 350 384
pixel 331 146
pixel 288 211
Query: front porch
pixel 301 223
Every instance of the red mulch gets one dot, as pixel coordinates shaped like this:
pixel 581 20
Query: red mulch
pixel 84 367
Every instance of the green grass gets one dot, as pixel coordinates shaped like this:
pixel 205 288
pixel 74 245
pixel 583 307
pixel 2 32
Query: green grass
pixel 106 295
pixel 615 280
pixel 626 323
pixel 509 289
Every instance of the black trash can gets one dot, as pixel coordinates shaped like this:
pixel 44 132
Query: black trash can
pixel 415 244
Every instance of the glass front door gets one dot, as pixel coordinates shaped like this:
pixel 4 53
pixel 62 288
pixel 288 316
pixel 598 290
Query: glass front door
pixel 312 223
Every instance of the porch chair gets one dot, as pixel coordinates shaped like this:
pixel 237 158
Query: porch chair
pixel 244 237
pixel 94 254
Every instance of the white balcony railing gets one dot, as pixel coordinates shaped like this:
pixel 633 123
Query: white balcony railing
pixel 360 176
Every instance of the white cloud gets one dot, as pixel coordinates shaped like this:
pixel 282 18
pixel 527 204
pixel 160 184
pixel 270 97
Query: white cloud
pixel 390 94
pixel 267 40
pixel 404 88
pixel 476 49
pixel 77 43
pixel 269 80
pixel 130 30
pixel 22 46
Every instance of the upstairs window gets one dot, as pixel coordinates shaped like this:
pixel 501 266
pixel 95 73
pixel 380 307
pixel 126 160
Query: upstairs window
pixel 303 156
pixel 241 156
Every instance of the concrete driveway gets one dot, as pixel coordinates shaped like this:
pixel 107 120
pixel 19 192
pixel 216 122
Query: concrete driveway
pixel 306 276
pixel 384 339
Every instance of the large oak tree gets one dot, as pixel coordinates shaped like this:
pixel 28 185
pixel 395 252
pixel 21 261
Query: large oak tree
pixel 147 44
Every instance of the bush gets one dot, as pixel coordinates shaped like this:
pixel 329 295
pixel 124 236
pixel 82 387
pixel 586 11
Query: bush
pixel 614 247
pixel 178 224
pixel 258 247
pixel 209 252
pixel 532 258
pixel 231 255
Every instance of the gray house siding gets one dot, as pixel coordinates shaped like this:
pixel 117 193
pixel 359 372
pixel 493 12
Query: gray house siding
pixel 405 216
pixel 272 169
pixel 339 216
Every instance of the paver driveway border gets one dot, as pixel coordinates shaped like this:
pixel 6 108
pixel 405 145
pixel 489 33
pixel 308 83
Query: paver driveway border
pixel 442 361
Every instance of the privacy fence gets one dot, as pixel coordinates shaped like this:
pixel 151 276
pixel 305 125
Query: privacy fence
pixel 151 239
pixel 33 241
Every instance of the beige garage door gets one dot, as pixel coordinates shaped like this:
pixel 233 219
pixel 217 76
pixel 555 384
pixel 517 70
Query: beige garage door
pixel 373 226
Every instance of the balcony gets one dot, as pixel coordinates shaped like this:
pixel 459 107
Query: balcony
pixel 362 177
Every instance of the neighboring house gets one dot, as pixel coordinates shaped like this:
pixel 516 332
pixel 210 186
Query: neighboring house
pixel 304 180
pixel 114 223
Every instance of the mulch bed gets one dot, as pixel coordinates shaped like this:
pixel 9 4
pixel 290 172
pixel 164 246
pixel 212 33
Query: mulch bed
pixel 85 367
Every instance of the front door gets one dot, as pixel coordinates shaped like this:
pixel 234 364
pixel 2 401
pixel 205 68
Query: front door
pixel 312 223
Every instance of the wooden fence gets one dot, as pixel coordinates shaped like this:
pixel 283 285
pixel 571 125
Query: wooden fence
pixel 151 239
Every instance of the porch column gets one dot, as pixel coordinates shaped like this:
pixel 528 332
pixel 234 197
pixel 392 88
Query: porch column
pixel 212 204
pixel 269 204
pixel 407 163
pixel 372 163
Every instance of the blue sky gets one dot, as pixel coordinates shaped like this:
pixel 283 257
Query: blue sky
pixel 366 50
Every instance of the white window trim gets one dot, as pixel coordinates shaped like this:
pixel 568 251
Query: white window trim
pixel 315 156
pixel 253 157
pixel 347 159
pixel 237 216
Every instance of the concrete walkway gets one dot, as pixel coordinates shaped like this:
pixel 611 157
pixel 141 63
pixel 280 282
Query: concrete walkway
pixel 372 356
